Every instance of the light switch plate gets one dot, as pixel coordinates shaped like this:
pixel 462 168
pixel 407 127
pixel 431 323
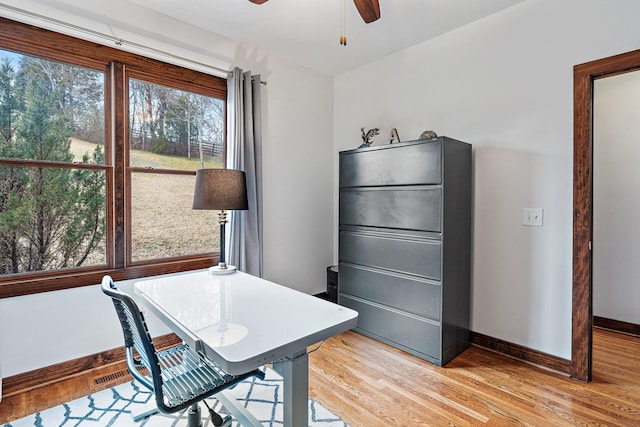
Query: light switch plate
pixel 532 217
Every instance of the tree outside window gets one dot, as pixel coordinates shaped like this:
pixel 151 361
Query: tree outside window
pixel 52 215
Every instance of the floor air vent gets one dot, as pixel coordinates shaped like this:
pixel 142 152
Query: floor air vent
pixel 116 375
pixel 110 377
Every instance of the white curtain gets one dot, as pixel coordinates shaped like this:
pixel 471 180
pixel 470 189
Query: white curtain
pixel 244 152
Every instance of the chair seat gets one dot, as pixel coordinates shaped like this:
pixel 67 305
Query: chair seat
pixel 188 376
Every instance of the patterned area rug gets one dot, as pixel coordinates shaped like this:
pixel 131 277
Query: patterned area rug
pixel 113 408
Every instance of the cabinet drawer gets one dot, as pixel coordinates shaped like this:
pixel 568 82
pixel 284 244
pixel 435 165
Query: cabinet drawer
pixel 411 332
pixel 402 292
pixel 410 208
pixel 416 163
pixel 413 256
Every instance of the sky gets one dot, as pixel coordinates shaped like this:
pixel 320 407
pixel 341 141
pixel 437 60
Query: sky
pixel 11 56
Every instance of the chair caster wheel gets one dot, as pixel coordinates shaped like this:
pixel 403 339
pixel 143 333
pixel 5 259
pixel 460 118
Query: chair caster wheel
pixel 218 421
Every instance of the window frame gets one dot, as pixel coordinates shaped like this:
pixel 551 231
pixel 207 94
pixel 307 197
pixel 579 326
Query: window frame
pixel 118 66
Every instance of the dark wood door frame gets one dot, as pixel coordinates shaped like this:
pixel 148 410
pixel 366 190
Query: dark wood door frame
pixel 582 307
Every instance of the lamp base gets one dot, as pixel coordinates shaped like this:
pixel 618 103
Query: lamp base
pixel 217 270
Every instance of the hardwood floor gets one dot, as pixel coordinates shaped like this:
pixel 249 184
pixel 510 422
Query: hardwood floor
pixel 370 384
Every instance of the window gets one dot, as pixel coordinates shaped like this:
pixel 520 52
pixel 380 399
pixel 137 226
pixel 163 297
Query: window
pixel 98 152
pixel 171 134
pixel 52 212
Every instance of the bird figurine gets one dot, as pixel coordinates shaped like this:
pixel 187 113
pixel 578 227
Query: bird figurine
pixel 427 134
pixel 366 137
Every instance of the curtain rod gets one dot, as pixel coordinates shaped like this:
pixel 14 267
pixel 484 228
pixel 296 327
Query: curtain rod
pixel 116 40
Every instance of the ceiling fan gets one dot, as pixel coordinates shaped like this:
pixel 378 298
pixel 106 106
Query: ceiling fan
pixel 369 9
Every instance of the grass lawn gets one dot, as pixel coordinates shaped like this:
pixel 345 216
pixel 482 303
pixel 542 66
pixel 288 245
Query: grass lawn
pixel 163 223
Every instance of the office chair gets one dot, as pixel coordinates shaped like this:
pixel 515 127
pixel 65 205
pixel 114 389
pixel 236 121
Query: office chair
pixel 179 376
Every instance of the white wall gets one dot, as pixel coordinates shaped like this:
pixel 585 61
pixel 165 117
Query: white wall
pixel 44 329
pixel 505 85
pixel 616 198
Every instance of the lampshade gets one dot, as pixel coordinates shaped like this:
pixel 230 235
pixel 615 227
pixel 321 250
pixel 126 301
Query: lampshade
pixel 220 189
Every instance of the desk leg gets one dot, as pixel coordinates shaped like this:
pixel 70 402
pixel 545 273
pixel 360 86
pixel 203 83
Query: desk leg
pixel 295 374
pixel 149 408
pixel 235 408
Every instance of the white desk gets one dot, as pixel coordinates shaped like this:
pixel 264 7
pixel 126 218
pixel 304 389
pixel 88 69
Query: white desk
pixel 243 322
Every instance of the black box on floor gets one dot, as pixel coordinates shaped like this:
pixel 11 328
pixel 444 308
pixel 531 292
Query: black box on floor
pixel 332 283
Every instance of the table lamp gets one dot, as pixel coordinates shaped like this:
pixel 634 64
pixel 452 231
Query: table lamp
pixel 223 190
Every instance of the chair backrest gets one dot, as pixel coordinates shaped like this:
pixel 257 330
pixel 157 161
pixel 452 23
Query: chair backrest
pixel 136 336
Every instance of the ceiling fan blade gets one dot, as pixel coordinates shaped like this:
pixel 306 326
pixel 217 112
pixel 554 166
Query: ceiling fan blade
pixel 258 1
pixel 369 10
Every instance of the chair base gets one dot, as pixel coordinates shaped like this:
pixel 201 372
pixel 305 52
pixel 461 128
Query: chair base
pixel 194 416
pixel 216 419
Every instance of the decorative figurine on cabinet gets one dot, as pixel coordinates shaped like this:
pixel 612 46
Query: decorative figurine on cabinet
pixel 366 137
pixel 428 134
pixel 394 137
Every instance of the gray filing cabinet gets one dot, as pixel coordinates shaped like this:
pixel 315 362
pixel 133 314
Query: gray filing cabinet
pixel 404 244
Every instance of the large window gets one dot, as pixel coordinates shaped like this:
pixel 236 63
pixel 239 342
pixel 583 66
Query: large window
pixel 98 153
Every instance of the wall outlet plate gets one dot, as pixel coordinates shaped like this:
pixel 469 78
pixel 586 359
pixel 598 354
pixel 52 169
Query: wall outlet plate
pixel 532 217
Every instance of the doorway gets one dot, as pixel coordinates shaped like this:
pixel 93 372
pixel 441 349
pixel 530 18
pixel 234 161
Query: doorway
pixel 616 204
pixel 582 294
